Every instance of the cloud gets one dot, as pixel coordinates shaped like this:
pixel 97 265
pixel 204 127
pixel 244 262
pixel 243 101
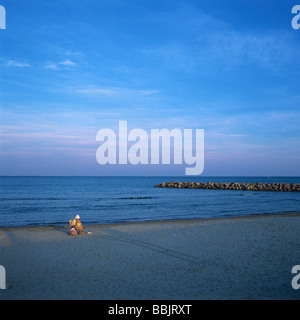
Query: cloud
pixel 52 66
pixel 203 41
pixel 59 65
pixel 116 91
pixel 98 91
pixel 16 64
pixel 235 47
pixel 68 63
pixel 230 48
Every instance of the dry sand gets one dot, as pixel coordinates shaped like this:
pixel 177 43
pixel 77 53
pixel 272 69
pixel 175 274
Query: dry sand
pixel 232 258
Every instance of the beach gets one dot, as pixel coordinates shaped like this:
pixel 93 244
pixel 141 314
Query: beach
pixel 228 258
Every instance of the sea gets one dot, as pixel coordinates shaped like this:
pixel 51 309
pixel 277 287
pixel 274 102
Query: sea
pixel 53 201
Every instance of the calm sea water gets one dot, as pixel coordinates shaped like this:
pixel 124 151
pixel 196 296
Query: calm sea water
pixel 29 201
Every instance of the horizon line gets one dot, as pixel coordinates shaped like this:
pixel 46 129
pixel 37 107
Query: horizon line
pixel 145 176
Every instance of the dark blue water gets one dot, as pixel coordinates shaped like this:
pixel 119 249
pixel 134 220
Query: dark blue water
pixel 27 201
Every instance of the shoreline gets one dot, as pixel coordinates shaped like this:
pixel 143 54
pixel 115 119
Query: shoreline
pixel 125 223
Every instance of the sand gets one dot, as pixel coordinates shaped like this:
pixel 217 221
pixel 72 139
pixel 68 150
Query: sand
pixel 231 258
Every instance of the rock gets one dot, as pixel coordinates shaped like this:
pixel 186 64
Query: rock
pixel 283 187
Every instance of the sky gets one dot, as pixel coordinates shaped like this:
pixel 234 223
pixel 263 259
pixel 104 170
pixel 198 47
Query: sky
pixel 69 68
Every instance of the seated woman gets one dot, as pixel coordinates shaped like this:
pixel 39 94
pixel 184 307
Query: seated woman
pixel 75 223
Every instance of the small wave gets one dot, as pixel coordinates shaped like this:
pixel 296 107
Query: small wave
pixel 135 198
pixel 31 199
pixel 27 210
pixel 289 200
pixel 141 204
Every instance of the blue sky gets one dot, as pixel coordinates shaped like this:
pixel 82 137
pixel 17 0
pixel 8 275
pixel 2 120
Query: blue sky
pixel 69 68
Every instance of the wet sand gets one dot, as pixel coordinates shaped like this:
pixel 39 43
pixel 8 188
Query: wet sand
pixel 231 258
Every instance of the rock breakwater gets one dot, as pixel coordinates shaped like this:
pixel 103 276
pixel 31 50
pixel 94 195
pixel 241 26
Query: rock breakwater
pixel 279 187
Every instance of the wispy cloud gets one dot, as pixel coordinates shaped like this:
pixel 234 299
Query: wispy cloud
pixel 49 65
pixel 98 91
pixel 16 64
pixel 203 41
pixel 230 48
pixel 68 63
pixel 116 91
pixel 60 65
pixel 234 47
